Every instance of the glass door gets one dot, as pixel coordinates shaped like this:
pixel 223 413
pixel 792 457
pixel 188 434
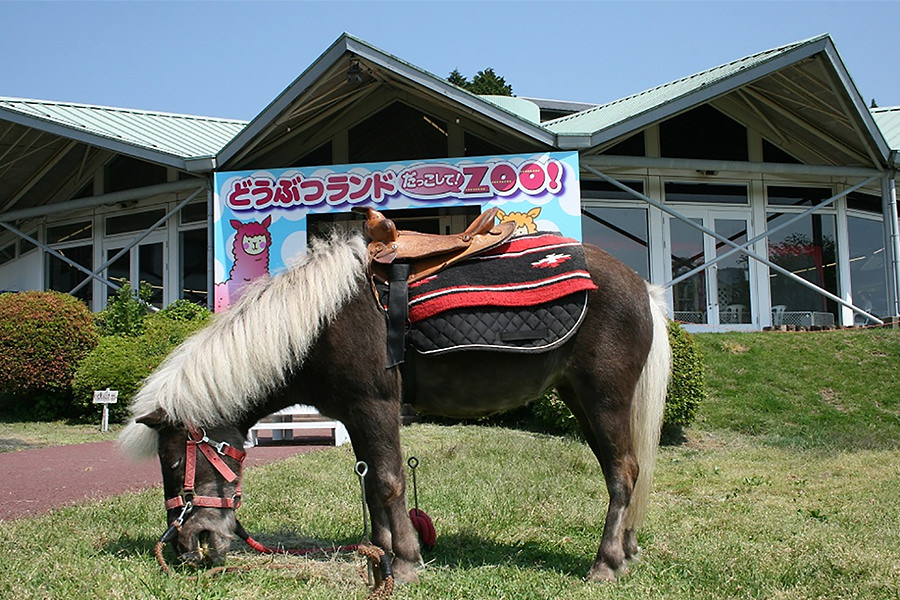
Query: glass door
pixel 143 263
pixel 721 293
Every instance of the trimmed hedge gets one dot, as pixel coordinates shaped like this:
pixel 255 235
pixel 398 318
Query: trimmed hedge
pixel 122 362
pixel 687 387
pixel 687 390
pixel 43 336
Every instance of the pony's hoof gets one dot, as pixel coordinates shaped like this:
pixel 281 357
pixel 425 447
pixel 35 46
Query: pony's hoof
pixel 600 573
pixel 404 571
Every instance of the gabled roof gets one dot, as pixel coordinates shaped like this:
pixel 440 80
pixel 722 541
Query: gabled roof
pixel 786 89
pixel 326 88
pixel 596 120
pixel 160 137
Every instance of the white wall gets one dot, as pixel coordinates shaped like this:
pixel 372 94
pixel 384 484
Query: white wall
pixel 25 273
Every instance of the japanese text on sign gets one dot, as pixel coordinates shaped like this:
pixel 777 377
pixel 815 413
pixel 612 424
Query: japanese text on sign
pixel 422 181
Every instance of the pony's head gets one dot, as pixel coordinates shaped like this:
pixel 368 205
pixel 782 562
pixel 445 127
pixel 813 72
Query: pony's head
pixel 196 407
pixel 201 471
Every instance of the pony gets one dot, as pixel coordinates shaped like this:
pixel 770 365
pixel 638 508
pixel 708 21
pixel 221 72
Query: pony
pixel 315 334
pixel 250 249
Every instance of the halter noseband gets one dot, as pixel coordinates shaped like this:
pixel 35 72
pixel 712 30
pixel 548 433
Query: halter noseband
pixel 197 440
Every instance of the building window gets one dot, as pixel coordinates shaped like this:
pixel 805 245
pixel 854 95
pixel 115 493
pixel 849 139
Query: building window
pixel 193 266
pixel 138 221
pixel 703 132
pixel 603 190
pixel 7 253
pixel 620 231
pixel 707 193
pixel 398 132
pixel 796 196
pixel 869 203
pixel 70 232
pixel 193 213
pixel 807 249
pixel 63 277
pixel 867 274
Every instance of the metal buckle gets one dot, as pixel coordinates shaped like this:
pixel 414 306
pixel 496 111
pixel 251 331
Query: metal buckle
pixel 188 507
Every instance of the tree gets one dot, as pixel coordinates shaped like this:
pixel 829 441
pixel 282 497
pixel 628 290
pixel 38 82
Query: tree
pixel 485 82
pixel 457 78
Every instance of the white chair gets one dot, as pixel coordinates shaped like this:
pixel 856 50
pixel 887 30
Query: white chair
pixel 778 314
pixel 734 313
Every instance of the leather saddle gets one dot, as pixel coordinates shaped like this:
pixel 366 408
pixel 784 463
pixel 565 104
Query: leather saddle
pixel 426 253
pixel 399 258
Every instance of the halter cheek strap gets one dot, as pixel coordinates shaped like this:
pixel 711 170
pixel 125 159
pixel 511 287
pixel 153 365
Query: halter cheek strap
pixel 197 440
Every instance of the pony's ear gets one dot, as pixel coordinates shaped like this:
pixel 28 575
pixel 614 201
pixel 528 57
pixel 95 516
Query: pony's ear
pixel 155 420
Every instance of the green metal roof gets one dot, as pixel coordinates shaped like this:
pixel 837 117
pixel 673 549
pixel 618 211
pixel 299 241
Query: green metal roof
pixel 181 136
pixel 176 138
pixel 888 120
pixel 603 117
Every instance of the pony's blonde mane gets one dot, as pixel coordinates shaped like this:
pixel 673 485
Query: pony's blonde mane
pixel 225 369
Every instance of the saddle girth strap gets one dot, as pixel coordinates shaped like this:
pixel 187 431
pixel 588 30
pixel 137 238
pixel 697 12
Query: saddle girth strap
pixel 398 313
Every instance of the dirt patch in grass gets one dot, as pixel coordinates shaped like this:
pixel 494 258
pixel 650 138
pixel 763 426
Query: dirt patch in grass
pixel 13 444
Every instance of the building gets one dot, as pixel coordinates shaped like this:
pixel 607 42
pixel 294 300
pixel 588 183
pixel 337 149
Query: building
pixel 760 192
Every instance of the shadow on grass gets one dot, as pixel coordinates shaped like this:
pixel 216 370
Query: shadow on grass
pixel 456 551
pixel 465 551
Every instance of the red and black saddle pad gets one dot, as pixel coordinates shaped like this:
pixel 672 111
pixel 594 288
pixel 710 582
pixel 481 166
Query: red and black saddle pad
pixel 527 295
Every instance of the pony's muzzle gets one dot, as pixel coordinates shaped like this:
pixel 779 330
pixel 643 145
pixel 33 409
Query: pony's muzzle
pixel 205 538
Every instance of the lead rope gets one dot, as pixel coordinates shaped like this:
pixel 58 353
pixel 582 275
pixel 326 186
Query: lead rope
pixel 380 579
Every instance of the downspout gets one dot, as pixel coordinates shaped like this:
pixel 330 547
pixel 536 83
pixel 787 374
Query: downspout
pixel 892 231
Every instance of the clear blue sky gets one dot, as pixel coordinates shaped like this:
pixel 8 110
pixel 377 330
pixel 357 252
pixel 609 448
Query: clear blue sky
pixel 230 59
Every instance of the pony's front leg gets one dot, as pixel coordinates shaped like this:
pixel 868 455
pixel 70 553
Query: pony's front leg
pixel 378 444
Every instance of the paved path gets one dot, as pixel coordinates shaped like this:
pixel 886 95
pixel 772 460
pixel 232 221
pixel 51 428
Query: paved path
pixel 37 481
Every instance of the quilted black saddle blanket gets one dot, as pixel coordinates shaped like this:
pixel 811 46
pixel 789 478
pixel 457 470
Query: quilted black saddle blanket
pixel 527 295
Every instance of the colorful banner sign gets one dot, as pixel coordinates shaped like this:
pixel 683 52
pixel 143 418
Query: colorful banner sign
pixel 260 223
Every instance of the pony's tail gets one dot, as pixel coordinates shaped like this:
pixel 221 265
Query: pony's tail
pixel 647 407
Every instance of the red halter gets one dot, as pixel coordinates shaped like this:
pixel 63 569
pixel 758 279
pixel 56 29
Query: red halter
pixel 197 440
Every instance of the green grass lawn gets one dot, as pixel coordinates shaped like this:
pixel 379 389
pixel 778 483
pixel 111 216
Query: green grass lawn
pixel 787 487
pixel 22 435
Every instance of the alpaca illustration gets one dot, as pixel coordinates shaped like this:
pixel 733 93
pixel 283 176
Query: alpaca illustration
pixel 251 260
pixel 524 221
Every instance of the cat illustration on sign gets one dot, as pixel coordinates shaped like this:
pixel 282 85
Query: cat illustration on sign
pixel 524 221
pixel 251 260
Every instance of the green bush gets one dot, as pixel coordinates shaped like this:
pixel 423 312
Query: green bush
pixel 551 414
pixel 122 362
pixel 125 311
pixel 118 362
pixel 43 336
pixel 185 310
pixel 687 388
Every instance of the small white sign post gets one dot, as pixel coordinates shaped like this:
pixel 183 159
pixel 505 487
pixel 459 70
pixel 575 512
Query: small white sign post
pixel 106 397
